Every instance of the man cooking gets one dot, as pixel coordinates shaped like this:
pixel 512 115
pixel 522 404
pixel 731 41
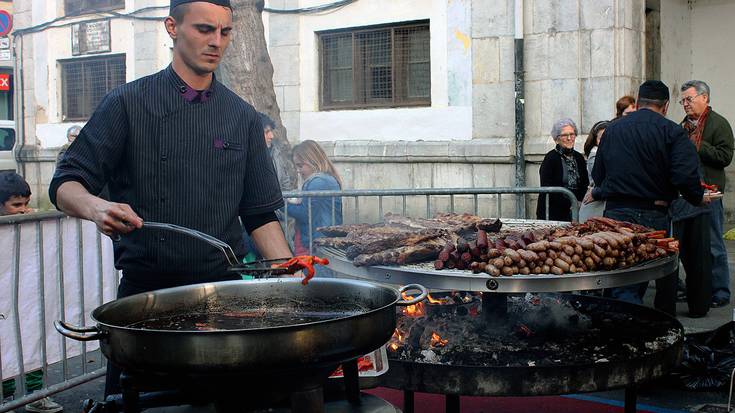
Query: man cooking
pixel 175 147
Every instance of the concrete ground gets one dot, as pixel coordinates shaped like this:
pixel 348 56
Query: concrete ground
pixel 656 397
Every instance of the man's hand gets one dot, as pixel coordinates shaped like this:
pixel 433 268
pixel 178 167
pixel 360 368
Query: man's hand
pixel 113 218
pixel 707 199
pixel 588 196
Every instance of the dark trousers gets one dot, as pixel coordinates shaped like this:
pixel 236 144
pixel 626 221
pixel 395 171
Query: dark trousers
pixel 665 299
pixel 126 289
pixel 694 252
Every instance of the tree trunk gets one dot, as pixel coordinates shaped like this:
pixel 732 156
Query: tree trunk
pixel 248 71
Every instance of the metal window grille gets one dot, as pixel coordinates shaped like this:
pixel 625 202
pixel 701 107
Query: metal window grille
pixel 87 81
pixel 80 6
pixel 376 67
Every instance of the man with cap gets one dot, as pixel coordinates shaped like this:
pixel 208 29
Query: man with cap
pixel 175 147
pixel 642 165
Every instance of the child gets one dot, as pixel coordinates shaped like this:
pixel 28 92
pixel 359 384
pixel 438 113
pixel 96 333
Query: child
pixel 15 194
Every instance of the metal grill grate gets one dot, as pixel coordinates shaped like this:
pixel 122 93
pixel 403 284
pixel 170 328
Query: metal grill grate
pixel 87 81
pixel 378 67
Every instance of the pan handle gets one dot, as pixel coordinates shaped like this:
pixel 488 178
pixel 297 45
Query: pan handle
pixel 421 297
pixel 78 333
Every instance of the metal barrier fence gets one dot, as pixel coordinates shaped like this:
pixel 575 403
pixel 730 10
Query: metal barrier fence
pixel 57 268
pixel 60 246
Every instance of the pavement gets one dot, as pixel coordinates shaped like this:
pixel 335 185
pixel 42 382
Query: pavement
pixel 656 397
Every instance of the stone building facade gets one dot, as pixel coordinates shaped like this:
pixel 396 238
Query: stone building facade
pixel 455 126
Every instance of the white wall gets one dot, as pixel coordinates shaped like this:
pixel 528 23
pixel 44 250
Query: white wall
pixel 438 122
pixel 676 50
pixel 713 53
pixel 54 44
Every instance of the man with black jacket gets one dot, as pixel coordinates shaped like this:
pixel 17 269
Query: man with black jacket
pixel 642 165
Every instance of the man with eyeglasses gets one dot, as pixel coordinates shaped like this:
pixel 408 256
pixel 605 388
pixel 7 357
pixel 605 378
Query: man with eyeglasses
pixel 712 135
pixel 642 165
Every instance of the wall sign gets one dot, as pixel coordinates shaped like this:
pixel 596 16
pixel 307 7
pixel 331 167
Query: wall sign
pixel 6 54
pixel 4 82
pixel 6 23
pixel 4 43
pixel 90 38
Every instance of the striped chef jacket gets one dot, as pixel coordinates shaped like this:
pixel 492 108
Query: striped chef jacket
pixel 175 155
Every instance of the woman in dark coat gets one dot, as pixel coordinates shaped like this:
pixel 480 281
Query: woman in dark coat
pixel 565 167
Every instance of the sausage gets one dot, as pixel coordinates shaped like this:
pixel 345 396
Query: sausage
pixel 545 269
pixel 515 269
pixel 508 261
pixel 572 268
pixel 438 265
pixel 475 267
pixel 492 270
pixel 576 259
pixel 597 240
pixel 578 249
pixel 493 253
pixel 525 271
pixel 589 263
pixel 596 259
pixel 538 270
pixel 498 263
pixel 585 243
pixel 514 255
pixel 462 245
pixel 522 263
pixel 538 246
pixel 599 251
pixel 608 262
pixel 555 245
pixel 560 263
pixel 552 254
pixel 507 271
pixel 542 255
pixel 565 258
pixel 549 261
pixel 556 270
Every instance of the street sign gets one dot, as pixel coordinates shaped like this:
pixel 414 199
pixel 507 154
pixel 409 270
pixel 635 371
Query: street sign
pixel 6 23
pixel 6 54
pixel 90 37
pixel 4 43
pixel 4 81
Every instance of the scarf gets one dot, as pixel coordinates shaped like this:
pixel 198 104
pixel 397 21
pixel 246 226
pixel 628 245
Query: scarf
pixel 570 177
pixel 696 127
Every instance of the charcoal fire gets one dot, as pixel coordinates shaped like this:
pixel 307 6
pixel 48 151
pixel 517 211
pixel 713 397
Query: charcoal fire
pixel 543 330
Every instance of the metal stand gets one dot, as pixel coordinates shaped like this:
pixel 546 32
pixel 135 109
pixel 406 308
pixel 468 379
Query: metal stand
pixel 452 403
pixel 631 396
pixel 408 401
pixel 352 381
pixel 130 396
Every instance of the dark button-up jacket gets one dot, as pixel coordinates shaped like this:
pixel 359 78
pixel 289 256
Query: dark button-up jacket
pixel 175 155
pixel 645 157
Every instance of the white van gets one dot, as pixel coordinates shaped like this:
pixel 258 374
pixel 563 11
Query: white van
pixel 7 145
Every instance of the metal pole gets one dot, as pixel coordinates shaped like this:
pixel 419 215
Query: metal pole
pixel 520 126
pixel 20 382
pixel 42 296
pixel 60 283
pixel 80 258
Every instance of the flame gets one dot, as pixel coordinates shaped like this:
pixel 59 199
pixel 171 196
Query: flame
pixel 416 310
pixel 397 340
pixel 433 300
pixel 437 340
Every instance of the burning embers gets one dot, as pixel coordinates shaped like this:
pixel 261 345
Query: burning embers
pixel 538 330
pixel 437 304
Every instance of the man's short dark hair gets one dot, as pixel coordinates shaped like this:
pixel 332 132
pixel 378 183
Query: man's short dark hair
pixel 179 12
pixel 658 103
pixel 12 184
pixel 266 121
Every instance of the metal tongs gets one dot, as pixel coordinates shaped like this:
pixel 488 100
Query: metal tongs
pixel 278 266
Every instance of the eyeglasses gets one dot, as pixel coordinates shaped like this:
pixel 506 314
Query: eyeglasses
pixel 567 135
pixel 688 99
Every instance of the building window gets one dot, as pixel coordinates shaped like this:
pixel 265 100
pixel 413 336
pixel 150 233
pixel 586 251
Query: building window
pixel 385 66
pixel 87 81
pixel 85 6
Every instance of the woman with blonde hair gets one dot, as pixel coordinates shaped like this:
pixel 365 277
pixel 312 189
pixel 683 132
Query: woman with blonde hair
pixel 318 174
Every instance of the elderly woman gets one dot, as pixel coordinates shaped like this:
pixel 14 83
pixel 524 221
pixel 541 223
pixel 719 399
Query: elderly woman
pixel 565 167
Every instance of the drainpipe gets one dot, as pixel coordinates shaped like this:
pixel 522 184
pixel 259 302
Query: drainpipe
pixel 520 128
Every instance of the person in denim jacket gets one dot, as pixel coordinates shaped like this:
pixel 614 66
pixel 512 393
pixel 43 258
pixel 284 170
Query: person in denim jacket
pixel 318 174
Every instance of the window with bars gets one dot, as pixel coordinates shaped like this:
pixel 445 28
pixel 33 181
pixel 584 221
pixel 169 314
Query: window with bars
pixel 386 66
pixel 83 6
pixel 86 81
